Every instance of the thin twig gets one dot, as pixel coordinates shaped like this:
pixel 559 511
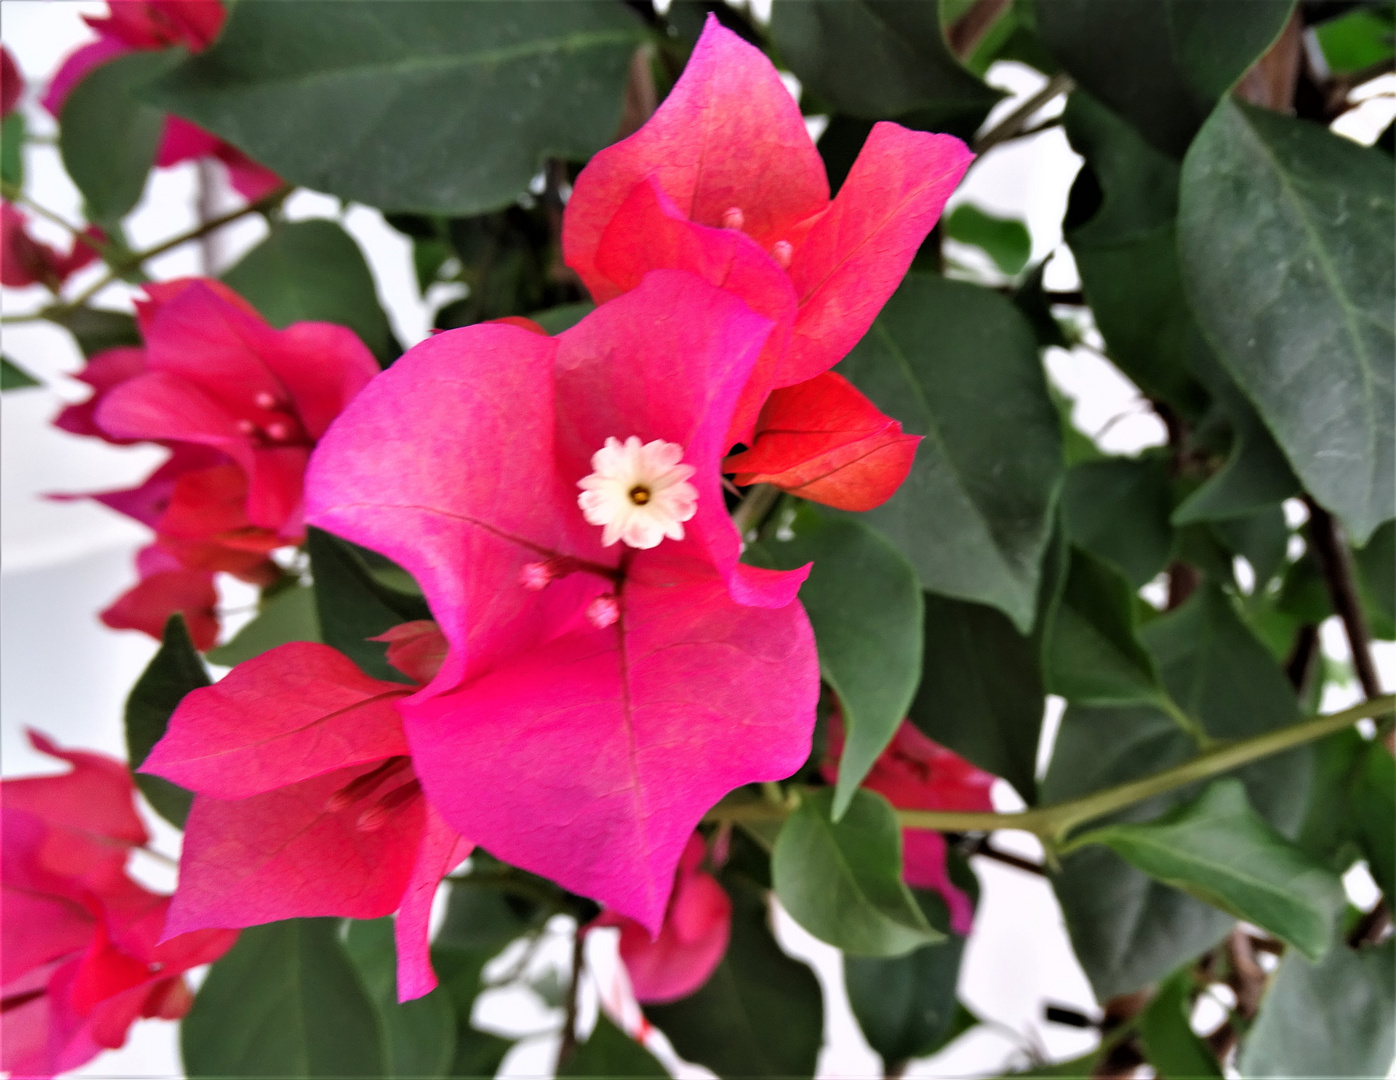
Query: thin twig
pixel 1335 564
pixel 986 849
pixel 1011 126
pixel 568 1046
pixel 754 507
pixel 79 233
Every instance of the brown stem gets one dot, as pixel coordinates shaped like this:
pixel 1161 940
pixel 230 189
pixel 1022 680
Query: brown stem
pixel 568 1046
pixel 1372 927
pixel 1123 1059
pixel 965 33
pixel 986 849
pixel 1012 125
pixel 1300 664
pixel 1335 564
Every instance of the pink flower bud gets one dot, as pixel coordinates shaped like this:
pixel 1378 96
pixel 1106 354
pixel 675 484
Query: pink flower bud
pixel 733 218
pixel 603 611
pixel 535 576
pixel 782 252
pixel 265 400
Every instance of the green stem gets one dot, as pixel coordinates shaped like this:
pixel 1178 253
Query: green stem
pixel 1052 823
pixel 754 506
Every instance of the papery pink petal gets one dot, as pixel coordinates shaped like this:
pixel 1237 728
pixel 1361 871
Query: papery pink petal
pixel 183 141
pixel 417 649
pixel 148 605
pixel 45 917
pixel 161 407
pixel 322 366
pixel 592 739
pixel 160 293
pixel 11 83
pixel 923 867
pixel 276 488
pixel 250 179
pixel 285 855
pixel 729 135
pixel 857 253
pixel 76 67
pixel 294 712
pixel 690 945
pixel 442 850
pixel 107 369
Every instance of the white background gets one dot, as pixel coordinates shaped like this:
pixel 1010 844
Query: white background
pixel 66 674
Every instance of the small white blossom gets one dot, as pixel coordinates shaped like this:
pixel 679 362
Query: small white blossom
pixel 639 492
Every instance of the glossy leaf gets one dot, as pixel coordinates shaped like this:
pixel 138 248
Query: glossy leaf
pixel 173 672
pixel 842 881
pixel 1005 240
pixel 285 1001
pixel 314 271
pixel 609 1051
pixel 1165 1029
pixel 1161 64
pixel 290 615
pixel 1311 340
pixel 761 1014
pixel 865 605
pixel 981 690
pixel 419 1036
pixel 14 377
pixel 1117 509
pixel 958 364
pixel 437 108
pixel 108 137
pixel 1221 851
pixel 1336 1018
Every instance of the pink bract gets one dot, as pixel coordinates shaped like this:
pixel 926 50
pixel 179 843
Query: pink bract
pixel 26 261
pixel 587 755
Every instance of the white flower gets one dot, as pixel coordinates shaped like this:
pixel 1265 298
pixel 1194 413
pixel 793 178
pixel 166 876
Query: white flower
pixel 639 492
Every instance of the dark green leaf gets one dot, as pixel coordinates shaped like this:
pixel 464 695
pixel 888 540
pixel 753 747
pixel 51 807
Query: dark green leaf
pixel 1078 1068
pixel 865 606
pixel 1328 827
pixel 1172 1047
pixel 1336 1018
pixel 14 377
pixel 173 672
pixel 1376 573
pixel 563 317
pixel 1031 299
pixel 354 605
pixel 108 138
pixel 958 364
pixel 12 150
pixel 611 1052
pixel 1262 539
pixel 1285 234
pixel 95 329
pixel 1221 851
pixel 761 1014
pixel 1005 240
pixel 842 881
pixel 437 108
pixel 981 690
pixel 1374 814
pixel 876 59
pixel 313 271
pixel 1117 509
pixel 288 616
pixel 1161 64
pixel 285 1001
pixel 419 1036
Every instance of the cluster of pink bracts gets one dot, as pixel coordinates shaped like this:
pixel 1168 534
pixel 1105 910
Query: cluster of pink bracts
pixel 602 670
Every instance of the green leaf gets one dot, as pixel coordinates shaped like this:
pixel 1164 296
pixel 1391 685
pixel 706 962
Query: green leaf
pixel 419 1036
pixel 354 605
pixel 14 377
pixel 958 364
pixel 108 137
pixel 865 605
pixel 877 59
pixel 172 673
pixel 563 317
pixel 1374 814
pixel 1376 576
pixel 12 150
pixel 1327 829
pixel 1336 1018
pixel 314 271
pixel 1160 64
pixel 1165 1028
pixel 1356 40
pixel 761 1014
pixel 1117 509
pixel 95 329
pixel 437 108
pixel 1219 850
pixel 1005 240
pixel 1308 332
pixel 284 1001
pixel 981 690
pixel 1091 655
pixel 290 615
pixel 842 881
pixel 611 1052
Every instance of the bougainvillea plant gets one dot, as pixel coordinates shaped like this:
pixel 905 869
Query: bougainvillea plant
pixel 725 547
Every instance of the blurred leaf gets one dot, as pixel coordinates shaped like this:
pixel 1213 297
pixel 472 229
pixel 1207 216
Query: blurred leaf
pixel 1336 1018
pixel 1376 574
pixel 12 150
pixel 284 1001
pixel 428 257
pixel 563 317
pixel 1261 538
pixel 419 1036
pixel 314 271
pixel 1005 240
pixel 958 364
pixel 14 377
pixel 510 262
pixel 173 672
pixel 1374 814
pixel 353 605
pixel 1078 1068
pixel 1327 832
pixel 108 137
pixel 842 881
pixel 865 605
pixel 1117 509
pixel 877 59
pixel 981 690
pixel 445 108
pixel 1221 851
pixel 1031 299
pixel 1311 340
pixel 290 615
pixel 611 1052
pixel 1160 64
pixel 1170 1044
pixel 761 1014
pixel 95 329
pixel 1357 39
